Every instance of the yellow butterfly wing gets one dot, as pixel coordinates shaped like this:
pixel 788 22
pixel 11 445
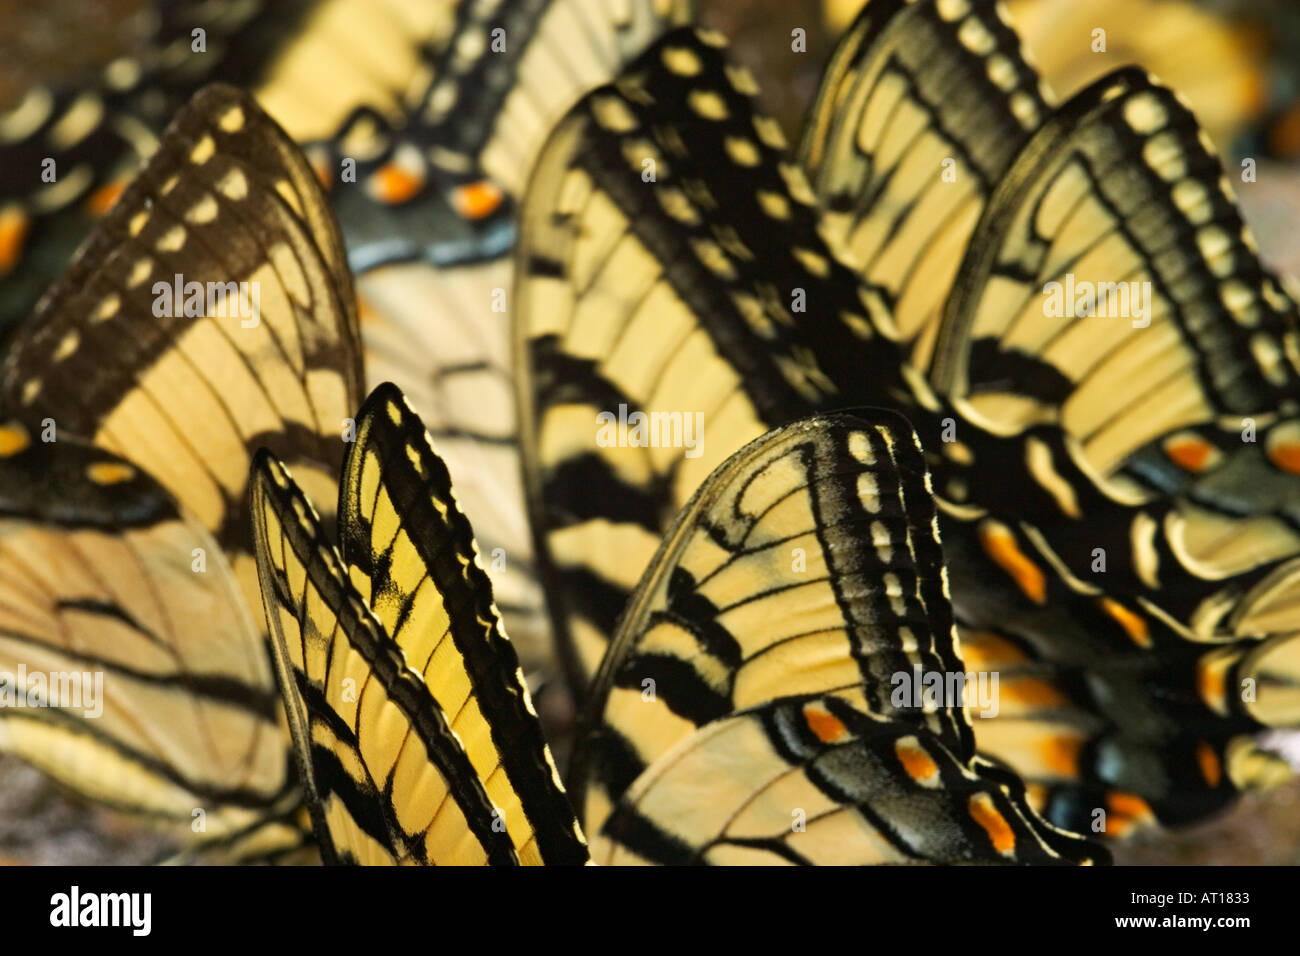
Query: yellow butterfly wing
pixel 406 701
pixel 783 686
pixel 158 696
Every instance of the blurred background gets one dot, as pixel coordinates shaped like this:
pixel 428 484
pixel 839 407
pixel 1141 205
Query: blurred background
pixel 1236 61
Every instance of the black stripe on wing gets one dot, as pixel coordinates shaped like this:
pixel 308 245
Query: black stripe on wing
pixel 311 607
pixel 808 562
pixel 431 545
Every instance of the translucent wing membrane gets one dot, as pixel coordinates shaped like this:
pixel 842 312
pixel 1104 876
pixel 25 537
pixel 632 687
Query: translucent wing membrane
pixel 807 565
pixel 405 697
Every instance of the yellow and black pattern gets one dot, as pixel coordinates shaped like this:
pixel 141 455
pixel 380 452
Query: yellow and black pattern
pixel 376 796
pixel 210 314
pixel 1220 64
pixel 429 227
pixel 816 780
pixel 102 578
pixel 516 65
pixel 667 264
pixel 175 391
pixel 1133 616
pixel 437 182
pixel 402 626
pixel 411 554
pixel 1117 209
pixel 99 126
pixel 920 113
pixel 769 650
pixel 436 333
pixel 377 55
pixel 809 563
pixel 1145 548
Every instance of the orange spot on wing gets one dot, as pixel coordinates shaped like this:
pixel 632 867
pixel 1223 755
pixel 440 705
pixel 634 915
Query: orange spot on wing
pixel 13 439
pixel 109 473
pixel 477 200
pixel 13 233
pixel 1061 754
pixel 1211 681
pixel 396 185
pixel 1190 454
pixel 1118 826
pixel 322 171
pixel 1000 545
pixel 105 197
pixel 984 813
pixel 920 766
pixel 1286 456
pixel 984 650
pixel 1284 137
pixel 1032 692
pixel 1211 768
pixel 826 726
pixel 1129 806
pixel 1036 795
pixel 1134 625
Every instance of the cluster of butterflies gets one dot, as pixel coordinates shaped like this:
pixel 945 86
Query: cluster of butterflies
pixel 577 211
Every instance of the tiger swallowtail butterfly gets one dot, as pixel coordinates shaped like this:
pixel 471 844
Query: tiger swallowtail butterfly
pixel 900 264
pixel 430 223
pixel 413 721
pixel 406 700
pixel 208 315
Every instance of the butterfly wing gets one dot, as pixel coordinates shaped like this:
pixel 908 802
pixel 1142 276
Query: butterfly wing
pixel 668 256
pixel 409 551
pixel 348 56
pixel 436 183
pixel 210 314
pixel 521 65
pixel 818 781
pixel 102 580
pixel 83 136
pixel 437 333
pixel 1169 343
pixel 921 110
pixel 1118 700
pixel 1116 190
pixel 182 398
pixel 1218 63
pixel 777 650
pixel 388 780
pixel 430 223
